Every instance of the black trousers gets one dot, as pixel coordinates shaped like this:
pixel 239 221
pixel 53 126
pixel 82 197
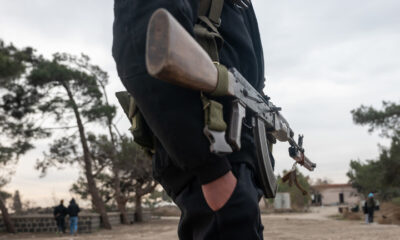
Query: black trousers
pixel 371 215
pixel 60 221
pixel 238 219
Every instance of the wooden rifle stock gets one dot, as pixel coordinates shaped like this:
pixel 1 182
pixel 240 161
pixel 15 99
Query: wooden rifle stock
pixel 174 56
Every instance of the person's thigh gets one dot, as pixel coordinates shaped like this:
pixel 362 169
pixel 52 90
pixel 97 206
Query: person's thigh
pixel 71 224
pixel 239 218
pixel 58 223
pixel 61 222
pixel 75 222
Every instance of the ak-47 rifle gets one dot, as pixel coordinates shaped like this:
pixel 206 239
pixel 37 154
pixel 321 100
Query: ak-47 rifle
pixel 173 55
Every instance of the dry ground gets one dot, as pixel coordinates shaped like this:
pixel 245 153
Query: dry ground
pixel 315 225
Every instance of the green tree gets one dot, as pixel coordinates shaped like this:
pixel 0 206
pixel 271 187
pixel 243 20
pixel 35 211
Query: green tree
pixel 17 110
pixel 17 204
pixel 4 211
pixel 80 187
pixel 72 92
pixel 109 115
pixel 387 120
pixel 297 199
pixel 379 175
pixel 102 152
pixel 365 177
pixel 135 174
pixel 390 161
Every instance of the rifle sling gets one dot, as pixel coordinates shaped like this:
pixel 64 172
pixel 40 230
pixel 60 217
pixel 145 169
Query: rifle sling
pixel 206 30
pixel 223 81
pixel 213 8
pixel 292 178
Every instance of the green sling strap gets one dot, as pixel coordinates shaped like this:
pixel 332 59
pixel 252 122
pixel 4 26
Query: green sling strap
pixel 206 30
pixel 208 36
pixel 213 8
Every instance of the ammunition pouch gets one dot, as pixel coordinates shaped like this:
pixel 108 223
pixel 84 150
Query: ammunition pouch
pixel 213 115
pixel 140 130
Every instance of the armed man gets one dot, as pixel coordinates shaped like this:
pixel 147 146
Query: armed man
pixel 214 181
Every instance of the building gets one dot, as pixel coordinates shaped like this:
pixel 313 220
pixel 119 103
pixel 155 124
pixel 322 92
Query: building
pixel 334 194
pixel 282 201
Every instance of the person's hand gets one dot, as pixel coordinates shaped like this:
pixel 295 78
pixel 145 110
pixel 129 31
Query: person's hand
pixel 218 192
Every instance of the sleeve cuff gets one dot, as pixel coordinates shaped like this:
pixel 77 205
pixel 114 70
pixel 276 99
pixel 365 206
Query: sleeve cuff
pixel 215 168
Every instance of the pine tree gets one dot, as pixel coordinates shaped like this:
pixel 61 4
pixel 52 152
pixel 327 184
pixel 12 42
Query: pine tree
pixel 17 204
pixel 135 175
pixel 382 174
pixel 72 91
pixel 17 106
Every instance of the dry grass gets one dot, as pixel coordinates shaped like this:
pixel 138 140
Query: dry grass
pixel 388 214
pixel 167 211
pixel 353 216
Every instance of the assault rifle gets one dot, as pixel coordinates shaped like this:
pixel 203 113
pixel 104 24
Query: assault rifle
pixel 172 55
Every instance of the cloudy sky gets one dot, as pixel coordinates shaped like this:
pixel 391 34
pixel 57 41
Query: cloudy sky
pixel 323 59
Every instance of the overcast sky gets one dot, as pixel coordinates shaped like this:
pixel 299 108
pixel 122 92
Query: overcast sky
pixel 323 59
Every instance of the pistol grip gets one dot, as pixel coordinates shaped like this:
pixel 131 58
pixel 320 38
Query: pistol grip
pixel 235 127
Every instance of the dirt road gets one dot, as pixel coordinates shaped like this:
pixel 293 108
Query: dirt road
pixel 312 226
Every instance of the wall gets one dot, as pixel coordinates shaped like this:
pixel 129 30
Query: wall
pixel 88 222
pixel 46 223
pixel 330 196
pixel 282 201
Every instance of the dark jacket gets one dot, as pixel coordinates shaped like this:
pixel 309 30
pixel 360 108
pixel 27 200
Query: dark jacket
pixel 370 203
pixel 369 206
pixel 173 113
pixel 73 209
pixel 60 211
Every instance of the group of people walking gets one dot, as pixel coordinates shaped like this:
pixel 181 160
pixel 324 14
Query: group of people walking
pixel 60 212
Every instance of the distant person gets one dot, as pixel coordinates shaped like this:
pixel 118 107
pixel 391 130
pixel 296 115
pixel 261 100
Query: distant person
pixel 365 211
pixel 370 206
pixel 59 215
pixel 73 210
